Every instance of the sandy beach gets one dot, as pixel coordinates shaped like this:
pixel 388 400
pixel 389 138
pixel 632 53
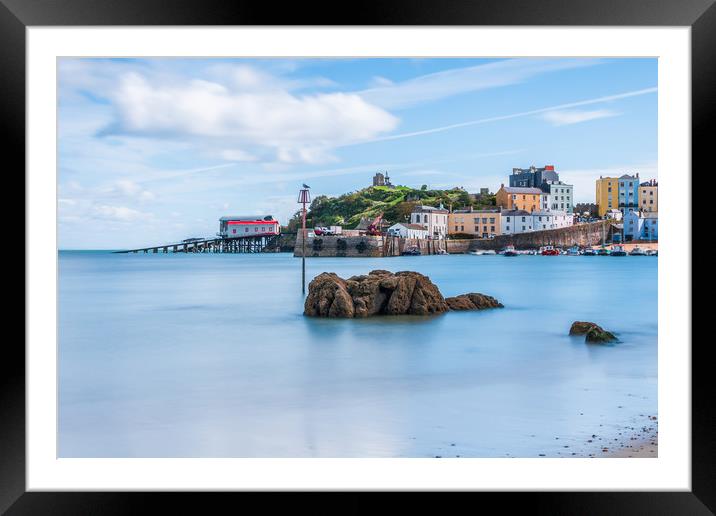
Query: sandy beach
pixel 636 442
pixel 645 449
pixel 628 246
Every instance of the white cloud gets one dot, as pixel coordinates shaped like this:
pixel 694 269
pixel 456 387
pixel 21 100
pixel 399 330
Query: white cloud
pixel 379 81
pixel 598 100
pixel 125 188
pixel 462 80
pixel 312 155
pixel 576 116
pixel 118 213
pixel 298 128
pixel 238 155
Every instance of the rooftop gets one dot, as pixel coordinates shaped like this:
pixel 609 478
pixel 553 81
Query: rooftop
pixel 515 213
pixel 430 209
pixel 549 213
pixel 477 211
pixel 521 190
pixel 245 217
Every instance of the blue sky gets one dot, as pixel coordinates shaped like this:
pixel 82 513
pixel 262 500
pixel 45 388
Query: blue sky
pixel 152 151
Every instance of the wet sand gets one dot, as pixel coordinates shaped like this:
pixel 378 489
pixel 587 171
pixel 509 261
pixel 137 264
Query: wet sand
pixel 645 449
pixel 628 246
pixel 639 441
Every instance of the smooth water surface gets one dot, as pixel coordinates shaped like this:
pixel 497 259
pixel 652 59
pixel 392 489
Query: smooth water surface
pixel 209 355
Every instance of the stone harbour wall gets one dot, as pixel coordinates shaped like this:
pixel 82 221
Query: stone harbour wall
pixel 367 246
pixel 379 246
pixel 332 246
pixel 582 235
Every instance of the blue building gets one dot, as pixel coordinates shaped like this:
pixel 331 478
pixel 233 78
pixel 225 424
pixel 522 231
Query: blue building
pixel 641 226
pixel 628 193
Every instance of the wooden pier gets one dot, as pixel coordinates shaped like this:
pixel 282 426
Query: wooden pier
pixel 252 244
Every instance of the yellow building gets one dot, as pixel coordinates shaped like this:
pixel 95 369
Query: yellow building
pixel 649 196
pixel 607 195
pixel 481 223
pixel 519 198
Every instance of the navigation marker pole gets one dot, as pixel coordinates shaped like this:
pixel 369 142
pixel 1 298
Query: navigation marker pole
pixel 304 198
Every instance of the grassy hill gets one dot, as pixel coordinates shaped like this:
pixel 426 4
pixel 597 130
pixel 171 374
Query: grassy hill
pixel 395 203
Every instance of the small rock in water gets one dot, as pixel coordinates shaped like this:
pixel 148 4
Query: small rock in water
pixel 592 331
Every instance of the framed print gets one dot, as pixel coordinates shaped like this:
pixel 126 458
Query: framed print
pixel 416 249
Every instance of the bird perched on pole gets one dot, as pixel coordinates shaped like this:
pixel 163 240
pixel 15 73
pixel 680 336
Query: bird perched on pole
pixel 306 186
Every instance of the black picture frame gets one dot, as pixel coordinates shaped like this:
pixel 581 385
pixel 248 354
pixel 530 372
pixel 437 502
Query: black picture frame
pixel 17 15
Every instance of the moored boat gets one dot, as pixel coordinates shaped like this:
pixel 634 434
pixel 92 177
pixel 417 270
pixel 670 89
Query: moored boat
pixel 573 251
pixel 589 252
pixel 603 251
pixel 411 251
pixel 637 251
pixel 509 251
pixel 651 252
pixel 617 250
pixel 489 251
pixel 548 250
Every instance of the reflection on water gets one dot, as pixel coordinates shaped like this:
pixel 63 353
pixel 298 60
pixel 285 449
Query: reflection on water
pixel 209 356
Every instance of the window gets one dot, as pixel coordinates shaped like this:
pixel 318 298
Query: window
pixel 425 218
pixel 523 219
pixel 476 220
pixel 492 220
pixel 484 220
pixel 256 229
pixel 492 228
pixel 523 228
pixel 233 231
pixel 508 228
pixel 246 230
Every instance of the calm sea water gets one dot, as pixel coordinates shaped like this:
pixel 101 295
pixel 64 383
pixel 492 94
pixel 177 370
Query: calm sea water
pixel 210 356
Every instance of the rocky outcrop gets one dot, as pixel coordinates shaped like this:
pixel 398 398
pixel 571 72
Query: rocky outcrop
pixel 592 332
pixel 599 335
pixel 472 301
pixel 328 297
pixel 581 327
pixel 384 293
